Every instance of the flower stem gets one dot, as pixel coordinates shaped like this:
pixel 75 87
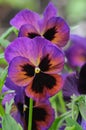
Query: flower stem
pixel 30 114
pixel 62 103
pixel 6 34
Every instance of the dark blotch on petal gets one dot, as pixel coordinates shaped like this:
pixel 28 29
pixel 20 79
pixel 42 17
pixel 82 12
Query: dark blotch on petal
pixel 39 114
pixel 45 63
pixel 27 101
pixel 26 113
pixel 50 33
pixel 82 80
pixel 28 69
pixel 32 35
pixel 20 108
pixel 42 80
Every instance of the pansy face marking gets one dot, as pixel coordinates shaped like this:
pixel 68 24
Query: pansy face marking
pixel 35 66
pixel 41 79
pixel 50 33
pixel 28 69
pixel 32 35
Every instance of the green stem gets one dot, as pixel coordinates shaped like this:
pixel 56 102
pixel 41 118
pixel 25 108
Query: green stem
pixel 62 103
pixel 3 76
pixel 73 103
pixel 30 114
pixel 6 34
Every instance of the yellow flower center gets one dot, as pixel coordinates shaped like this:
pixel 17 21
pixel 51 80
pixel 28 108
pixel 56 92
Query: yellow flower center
pixel 37 70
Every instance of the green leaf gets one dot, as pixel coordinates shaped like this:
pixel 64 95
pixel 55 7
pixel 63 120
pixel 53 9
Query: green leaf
pixel 82 108
pixel 9 106
pixel 8 123
pixel 71 122
pixel 1 55
pixel 2 78
pixel 4 43
pixel 2 112
pixel 3 62
pixel 20 128
pixel 56 124
pixel 70 128
pixel 58 121
pixel 7 33
pixel 15 31
pixel 1 97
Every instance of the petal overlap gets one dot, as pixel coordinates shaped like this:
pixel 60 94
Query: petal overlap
pixel 57 31
pixel 27 30
pixel 25 17
pixel 25 47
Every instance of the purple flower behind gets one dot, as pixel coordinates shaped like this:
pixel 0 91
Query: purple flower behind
pixel 18 90
pixel 70 86
pixel 50 26
pixel 76 85
pixel 76 53
pixel 43 114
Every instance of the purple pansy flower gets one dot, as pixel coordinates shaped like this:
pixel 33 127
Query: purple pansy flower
pixel 50 26
pixel 76 53
pixel 34 63
pixel 76 85
pixel 43 113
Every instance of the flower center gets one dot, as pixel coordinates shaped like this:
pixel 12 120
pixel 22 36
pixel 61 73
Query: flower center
pixel 37 70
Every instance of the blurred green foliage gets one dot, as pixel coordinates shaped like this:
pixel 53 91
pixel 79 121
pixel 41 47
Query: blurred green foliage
pixel 76 10
pixel 72 10
pixel 31 4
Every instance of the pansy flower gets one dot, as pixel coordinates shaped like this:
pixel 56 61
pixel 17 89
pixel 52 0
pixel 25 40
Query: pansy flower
pixel 35 64
pixel 76 53
pixel 51 27
pixel 43 113
pixel 76 85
